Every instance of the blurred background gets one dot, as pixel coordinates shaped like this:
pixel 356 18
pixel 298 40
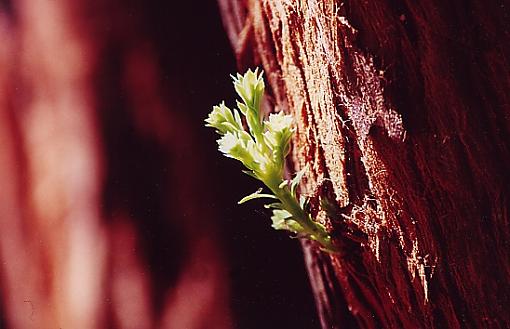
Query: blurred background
pixel 116 210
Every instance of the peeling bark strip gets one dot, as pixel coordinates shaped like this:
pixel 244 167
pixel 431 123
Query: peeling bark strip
pixel 402 112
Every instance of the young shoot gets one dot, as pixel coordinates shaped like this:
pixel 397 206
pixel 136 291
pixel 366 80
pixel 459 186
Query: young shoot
pixel 262 149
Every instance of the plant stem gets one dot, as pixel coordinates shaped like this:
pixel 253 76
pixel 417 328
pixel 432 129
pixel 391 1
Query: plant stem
pixel 290 204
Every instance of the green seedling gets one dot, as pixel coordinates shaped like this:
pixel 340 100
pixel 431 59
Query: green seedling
pixel 262 149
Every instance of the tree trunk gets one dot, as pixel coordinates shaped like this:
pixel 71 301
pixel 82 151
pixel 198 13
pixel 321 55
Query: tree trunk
pixel 104 218
pixel 402 111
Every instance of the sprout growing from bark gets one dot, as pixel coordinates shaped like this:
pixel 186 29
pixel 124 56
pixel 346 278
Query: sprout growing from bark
pixel 262 149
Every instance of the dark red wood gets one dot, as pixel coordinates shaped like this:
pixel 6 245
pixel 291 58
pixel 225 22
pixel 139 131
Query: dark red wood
pixel 403 113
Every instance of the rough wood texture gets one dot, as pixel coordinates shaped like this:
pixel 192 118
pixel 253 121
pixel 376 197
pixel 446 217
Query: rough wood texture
pixel 402 111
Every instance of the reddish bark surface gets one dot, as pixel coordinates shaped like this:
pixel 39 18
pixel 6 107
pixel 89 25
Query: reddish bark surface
pixel 403 114
pixel 99 221
pixel 116 210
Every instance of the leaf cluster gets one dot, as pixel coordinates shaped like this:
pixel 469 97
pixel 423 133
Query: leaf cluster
pixel 262 148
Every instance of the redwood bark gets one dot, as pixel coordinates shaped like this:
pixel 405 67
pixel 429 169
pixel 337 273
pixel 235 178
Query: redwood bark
pixel 402 111
pixel 104 219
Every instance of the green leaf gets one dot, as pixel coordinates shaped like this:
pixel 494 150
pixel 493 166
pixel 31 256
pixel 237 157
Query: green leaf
pixel 282 220
pixel 250 173
pixel 295 182
pixel 237 118
pixel 250 87
pixel 242 107
pixel 223 120
pixel 256 195
pixel 276 205
pixel 303 201
pixel 279 217
pixel 279 122
pixel 294 226
pixel 227 127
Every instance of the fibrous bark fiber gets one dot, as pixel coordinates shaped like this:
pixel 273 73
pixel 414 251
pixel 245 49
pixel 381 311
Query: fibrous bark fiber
pixel 402 111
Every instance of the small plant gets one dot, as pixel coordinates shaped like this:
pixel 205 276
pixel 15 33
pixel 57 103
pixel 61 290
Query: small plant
pixel 262 149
